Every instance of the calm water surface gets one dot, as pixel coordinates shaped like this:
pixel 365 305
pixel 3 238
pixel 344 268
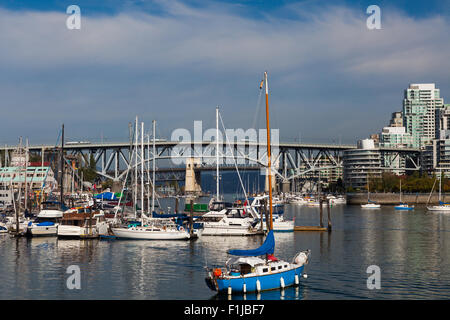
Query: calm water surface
pixel 412 250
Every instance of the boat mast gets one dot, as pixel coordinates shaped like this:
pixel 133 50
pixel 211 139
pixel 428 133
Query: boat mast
pixel 142 173
pixel 26 171
pixel 440 184
pixel 148 174
pixel 154 167
pixel 217 153
pixel 268 150
pixel 62 168
pixel 135 165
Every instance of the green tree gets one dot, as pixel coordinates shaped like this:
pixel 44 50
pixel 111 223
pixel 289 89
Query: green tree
pixel 90 172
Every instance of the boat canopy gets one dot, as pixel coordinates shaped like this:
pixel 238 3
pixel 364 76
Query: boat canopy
pixel 266 248
pixel 106 196
pixel 252 261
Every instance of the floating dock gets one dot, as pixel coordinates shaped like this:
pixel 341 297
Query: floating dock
pixel 310 228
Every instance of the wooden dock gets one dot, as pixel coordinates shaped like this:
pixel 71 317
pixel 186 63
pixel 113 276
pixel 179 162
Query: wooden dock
pixel 320 227
pixel 310 228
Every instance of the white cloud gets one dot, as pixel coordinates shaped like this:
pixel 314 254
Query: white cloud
pixel 199 57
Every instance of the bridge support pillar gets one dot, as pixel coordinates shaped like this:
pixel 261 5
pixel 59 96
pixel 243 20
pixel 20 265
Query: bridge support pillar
pixel 274 186
pixel 285 186
pixel 192 179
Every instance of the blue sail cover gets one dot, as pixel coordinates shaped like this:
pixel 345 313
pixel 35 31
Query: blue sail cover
pixel 266 248
pixel 106 196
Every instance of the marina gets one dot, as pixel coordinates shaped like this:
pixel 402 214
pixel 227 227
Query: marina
pixel 223 159
pixel 411 249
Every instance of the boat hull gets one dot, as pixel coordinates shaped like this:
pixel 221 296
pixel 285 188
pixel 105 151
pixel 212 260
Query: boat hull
pixel 76 232
pixel 227 231
pixel 266 282
pixel 43 231
pixel 439 208
pixel 370 206
pixel 123 233
pixel 404 208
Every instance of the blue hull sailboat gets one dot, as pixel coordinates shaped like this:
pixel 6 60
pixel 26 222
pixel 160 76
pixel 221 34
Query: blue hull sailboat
pixel 258 269
pixel 403 206
pixel 247 272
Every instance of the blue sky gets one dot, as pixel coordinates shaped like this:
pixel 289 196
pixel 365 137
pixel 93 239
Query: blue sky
pixel 330 77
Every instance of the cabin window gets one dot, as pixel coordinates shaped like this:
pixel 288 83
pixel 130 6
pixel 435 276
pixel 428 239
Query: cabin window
pixel 265 270
pixel 279 267
pixel 273 269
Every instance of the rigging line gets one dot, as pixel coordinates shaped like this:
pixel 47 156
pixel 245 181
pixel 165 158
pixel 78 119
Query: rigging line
pixel 123 187
pixel 234 160
pixel 51 159
pixel 256 117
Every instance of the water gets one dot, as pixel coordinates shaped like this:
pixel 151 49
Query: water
pixel 412 250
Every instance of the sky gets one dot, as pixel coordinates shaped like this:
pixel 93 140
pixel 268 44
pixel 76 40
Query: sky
pixel 331 78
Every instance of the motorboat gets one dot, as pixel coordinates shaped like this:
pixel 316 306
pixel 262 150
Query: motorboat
pixel 228 222
pixel 82 223
pixel 47 220
pixel 280 224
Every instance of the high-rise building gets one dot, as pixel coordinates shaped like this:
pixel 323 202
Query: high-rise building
pixel 421 107
pixel 396 120
pixel 362 164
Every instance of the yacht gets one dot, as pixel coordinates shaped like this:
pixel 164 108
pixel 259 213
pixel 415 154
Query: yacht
pixel 82 223
pixel 47 221
pixel 229 222
pixel 279 223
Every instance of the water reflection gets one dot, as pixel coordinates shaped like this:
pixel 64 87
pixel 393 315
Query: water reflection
pixel 290 293
pixel 411 248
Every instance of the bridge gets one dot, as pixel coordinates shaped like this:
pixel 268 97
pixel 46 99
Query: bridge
pixel 291 161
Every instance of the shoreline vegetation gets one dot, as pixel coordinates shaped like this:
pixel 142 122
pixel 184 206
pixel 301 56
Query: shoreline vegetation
pixel 415 183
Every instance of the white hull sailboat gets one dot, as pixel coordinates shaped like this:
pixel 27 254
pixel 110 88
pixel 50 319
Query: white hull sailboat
pixel 370 204
pixel 442 205
pixel 151 233
pixel 150 229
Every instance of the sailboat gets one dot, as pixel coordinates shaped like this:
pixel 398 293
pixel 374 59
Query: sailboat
pixel 442 205
pixel 246 271
pixel 150 228
pixel 222 220
pixel 401 205
pixel 370 204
